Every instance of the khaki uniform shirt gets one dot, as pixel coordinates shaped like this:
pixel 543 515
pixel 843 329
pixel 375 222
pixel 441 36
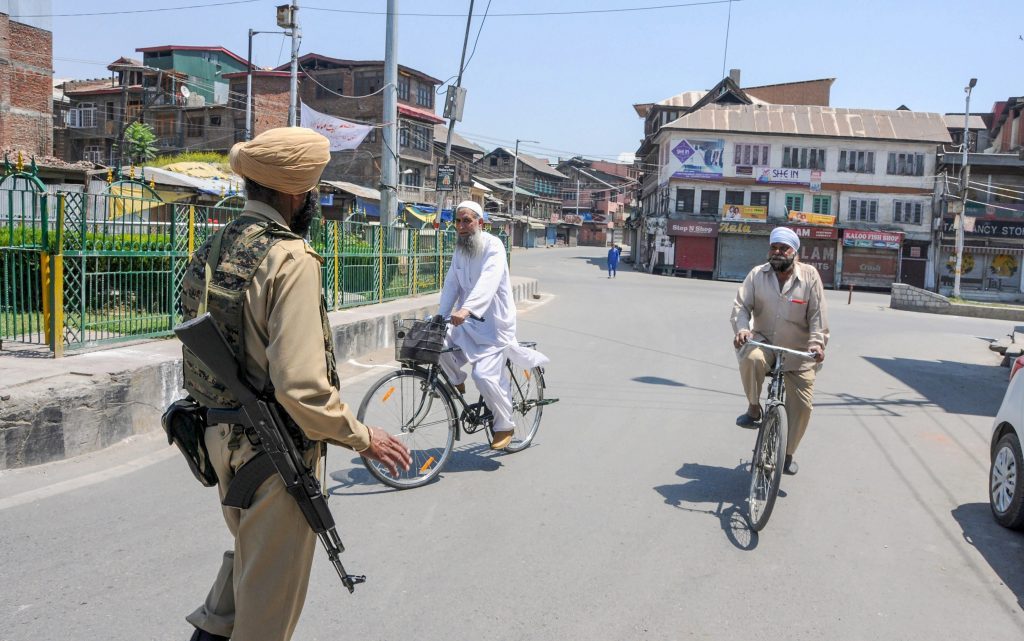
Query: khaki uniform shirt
pixel 284 340
pixel 793 315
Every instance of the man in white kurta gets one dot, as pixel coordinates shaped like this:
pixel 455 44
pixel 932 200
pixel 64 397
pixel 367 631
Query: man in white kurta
pixel 478 284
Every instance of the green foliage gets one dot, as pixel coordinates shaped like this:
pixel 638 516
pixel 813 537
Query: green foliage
pixel 140 142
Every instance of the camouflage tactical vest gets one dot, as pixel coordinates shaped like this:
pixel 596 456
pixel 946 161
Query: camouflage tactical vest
pixel 232 256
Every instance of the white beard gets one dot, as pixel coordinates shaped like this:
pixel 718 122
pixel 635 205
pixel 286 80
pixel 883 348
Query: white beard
pixel 471 245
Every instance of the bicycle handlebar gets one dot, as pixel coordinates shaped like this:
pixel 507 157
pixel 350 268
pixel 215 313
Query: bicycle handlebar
pixel 785 350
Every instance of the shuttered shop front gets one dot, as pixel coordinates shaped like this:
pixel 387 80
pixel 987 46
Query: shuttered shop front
pixel 741 247
pixel 870 258
pixel 818 247
pixel 694 244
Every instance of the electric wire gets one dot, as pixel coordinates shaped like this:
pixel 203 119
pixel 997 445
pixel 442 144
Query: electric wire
pixel 532 13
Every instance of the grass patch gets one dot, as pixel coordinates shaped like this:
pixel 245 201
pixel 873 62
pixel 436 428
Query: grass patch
pixel 981 303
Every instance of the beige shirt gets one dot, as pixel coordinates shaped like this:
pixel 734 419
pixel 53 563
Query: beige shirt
pixel 793 315
pixel 284 340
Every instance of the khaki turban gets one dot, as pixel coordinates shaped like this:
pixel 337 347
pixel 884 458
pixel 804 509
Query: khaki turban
pixel 286 159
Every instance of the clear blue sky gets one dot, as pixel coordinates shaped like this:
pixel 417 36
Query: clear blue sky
pixel 569 81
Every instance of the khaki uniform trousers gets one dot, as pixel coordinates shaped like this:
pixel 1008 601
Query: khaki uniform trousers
pixel 754 365
pixel 261 587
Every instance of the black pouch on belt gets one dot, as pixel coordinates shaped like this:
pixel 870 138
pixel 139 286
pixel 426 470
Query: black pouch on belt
pixel 185 424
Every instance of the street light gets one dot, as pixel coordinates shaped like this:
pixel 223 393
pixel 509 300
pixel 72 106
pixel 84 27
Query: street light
pixel 248 84
pixel 965 175
pixel 515 169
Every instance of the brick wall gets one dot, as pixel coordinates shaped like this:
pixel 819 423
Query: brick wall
pixel 26 90
pixel 812 92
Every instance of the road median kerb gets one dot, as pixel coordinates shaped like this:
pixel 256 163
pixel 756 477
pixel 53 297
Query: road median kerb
pixel 52 409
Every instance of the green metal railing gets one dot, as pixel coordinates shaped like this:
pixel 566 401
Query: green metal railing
pixel 81 270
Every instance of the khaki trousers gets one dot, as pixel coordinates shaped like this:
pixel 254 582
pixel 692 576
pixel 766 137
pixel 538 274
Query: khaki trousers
pixel 754 365
pixel 261 586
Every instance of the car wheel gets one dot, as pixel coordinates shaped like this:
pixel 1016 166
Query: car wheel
pixel 1006 483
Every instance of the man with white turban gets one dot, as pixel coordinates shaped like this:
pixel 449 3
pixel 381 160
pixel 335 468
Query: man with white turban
pixel 260 281
pixel 478 285
pixel 781 302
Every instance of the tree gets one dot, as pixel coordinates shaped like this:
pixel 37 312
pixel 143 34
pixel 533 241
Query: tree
pixel 140 142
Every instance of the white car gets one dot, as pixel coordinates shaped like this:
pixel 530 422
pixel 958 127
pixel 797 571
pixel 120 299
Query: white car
pixel 1006 476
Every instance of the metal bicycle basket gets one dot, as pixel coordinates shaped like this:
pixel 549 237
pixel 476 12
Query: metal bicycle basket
pixel 419 341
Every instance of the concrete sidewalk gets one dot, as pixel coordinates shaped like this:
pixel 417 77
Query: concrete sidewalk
pixel 51 409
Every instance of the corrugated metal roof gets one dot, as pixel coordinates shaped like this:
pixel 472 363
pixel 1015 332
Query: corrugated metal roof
pixel 536 164
pixel 441 136
pixel 809 120
pixel 954 121
pixel 355 190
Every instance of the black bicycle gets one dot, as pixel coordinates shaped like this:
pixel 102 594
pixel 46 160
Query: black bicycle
pixel 419 405
pixel 770 448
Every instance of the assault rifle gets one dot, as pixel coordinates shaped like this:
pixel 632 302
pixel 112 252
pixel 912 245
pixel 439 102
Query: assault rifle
pixel 204 339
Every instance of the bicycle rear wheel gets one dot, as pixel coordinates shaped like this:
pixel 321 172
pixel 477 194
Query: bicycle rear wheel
pixel 766 466
pixel 527 390
pixel 420 415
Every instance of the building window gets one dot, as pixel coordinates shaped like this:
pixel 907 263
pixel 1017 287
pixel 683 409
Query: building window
pixel 803 158
pixel 412 178
pixel 371 137
pixel 368 82
pixel 709 201
pixel 93 153
pixel 905 164
pixel 328 86
pixel 684 201
pixel 403 136
pixel 83 116
pixel 425 95
pixel 759 198
pixel 506 160
pixel 905 211
pixel 494 161
pixel 194 125
pixel 215 121
pixel 751 155
pixel 734 198
pixel 568 195
pixel 403 88
pixel 854 161
pixel 821 204
pixel 421 137
pixel 794 202
pixel 863 210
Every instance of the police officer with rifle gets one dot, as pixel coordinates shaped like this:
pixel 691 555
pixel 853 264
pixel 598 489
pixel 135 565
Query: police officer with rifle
pixel 264 398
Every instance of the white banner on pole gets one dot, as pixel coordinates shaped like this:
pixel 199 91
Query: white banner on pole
pixel 341 133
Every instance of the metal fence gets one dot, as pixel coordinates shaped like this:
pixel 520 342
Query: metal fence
pixel 80 270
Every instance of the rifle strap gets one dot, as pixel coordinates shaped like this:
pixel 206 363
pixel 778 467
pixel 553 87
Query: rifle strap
pixel 247 480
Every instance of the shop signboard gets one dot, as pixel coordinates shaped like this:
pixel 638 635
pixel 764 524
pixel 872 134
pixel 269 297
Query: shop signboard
pixel 872 239
pixel 690 228
pixel 809 218
pixel 744 228
pixel 988 228
pixel 692 158
pixel 815 233
pixel 783 175
pixel 572 219
pixel 744 212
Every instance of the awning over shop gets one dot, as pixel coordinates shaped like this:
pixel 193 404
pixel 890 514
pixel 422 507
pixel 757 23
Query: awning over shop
pixel 419 214
pixel 534 225
pixel 356 190
pixel 984 250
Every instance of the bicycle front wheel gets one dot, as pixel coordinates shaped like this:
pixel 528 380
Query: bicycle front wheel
pixel 405 405
pixel 766 466
pixel 527 390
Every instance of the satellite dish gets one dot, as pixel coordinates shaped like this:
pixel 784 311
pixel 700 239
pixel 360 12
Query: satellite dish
pixel 185 92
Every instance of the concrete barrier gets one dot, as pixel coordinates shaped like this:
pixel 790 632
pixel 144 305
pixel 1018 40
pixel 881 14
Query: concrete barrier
pixel 51 409
pixel 909 298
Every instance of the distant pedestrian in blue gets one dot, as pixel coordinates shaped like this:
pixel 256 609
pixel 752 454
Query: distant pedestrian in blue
pixel 613 260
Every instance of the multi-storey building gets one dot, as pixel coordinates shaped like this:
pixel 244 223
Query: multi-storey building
pixel 463 154
pixel 600 195
pixel 538 197
pixel 351 90
pixel 856 184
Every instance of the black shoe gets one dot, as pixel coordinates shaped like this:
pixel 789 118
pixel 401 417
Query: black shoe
pixel 747 421
pixel 203 635
pixel 790 467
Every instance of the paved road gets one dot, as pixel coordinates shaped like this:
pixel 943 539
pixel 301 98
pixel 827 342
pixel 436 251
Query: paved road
pixel 624 521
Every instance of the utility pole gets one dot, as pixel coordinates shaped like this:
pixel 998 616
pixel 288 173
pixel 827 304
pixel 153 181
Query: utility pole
pixel 965 175
pixel 294 86
pixel 248 83
pixel 515 173
pixel 451 119
pixel 389 153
